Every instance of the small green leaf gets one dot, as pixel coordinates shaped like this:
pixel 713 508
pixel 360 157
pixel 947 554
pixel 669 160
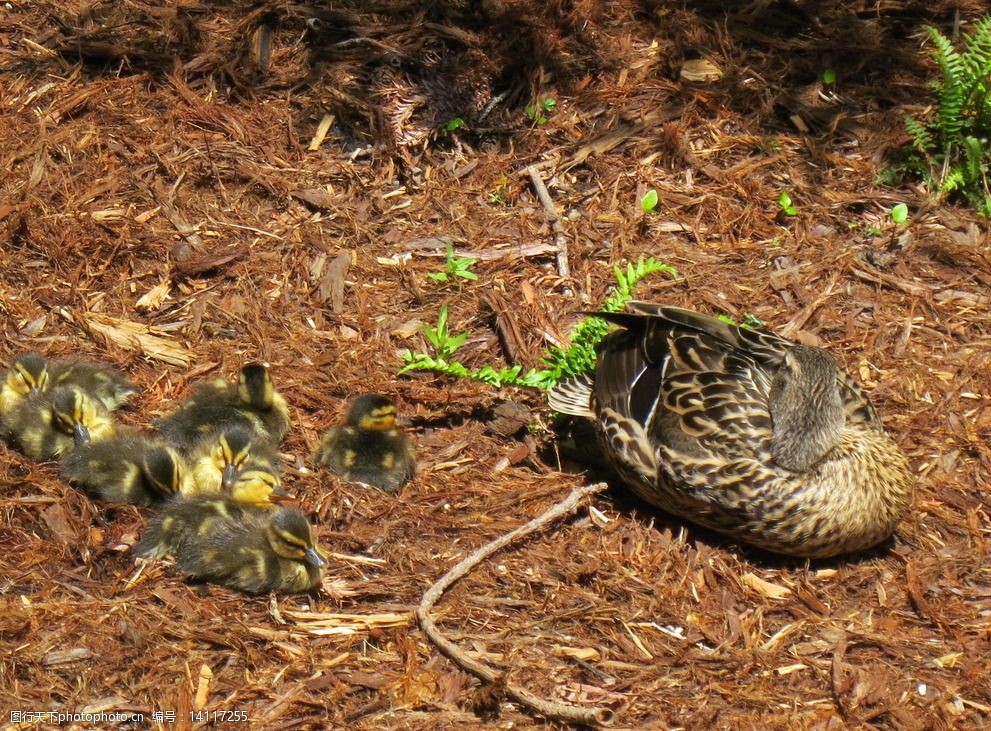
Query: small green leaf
pixel 649 201
pixel 784 200
pixel 437 276
pixel 829 77
pixel 456 123
pixel 549 104
pixel 899 214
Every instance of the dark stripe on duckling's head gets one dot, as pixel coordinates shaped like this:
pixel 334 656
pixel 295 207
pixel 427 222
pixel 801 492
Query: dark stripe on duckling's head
pixel 74 413
pixel 164 470
pixel 255 387
pixel 28 374
pixel 290 536
pixel 372 412
pixel 232 451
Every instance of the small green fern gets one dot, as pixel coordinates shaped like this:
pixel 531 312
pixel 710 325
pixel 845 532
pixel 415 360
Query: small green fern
pixel 559 363
pixel 952 152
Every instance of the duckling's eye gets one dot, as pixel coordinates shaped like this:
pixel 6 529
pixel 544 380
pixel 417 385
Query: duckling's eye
pixel 292 542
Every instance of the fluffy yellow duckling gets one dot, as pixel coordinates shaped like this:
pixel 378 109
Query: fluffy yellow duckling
pixel 219 458
pixel 213 406
pixel 369 447
pixel 32 372
pixel 97 380
pixel 49 424
pixel 257 485
pixel 248 549
pixel 28 375
pixel 129 468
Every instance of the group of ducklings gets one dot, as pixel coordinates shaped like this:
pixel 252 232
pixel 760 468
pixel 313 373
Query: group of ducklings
pixel 212 466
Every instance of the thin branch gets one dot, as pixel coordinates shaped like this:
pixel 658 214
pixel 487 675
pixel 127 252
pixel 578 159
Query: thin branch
pixel 563 268
pixel 548 709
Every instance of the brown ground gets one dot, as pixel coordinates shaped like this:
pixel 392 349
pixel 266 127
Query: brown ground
pixel 158 178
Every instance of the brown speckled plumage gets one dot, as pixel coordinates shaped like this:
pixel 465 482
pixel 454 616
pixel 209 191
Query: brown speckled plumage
pixel 700 418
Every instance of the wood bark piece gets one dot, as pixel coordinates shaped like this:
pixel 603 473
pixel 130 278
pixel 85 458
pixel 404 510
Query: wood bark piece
pixel 549 709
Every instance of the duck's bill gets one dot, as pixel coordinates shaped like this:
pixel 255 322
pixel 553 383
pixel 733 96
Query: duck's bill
pixel 314 558
pixel 229 476
pixel 80 434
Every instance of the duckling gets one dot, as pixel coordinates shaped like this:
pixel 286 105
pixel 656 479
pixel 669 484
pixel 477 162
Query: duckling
pixel 32 372
pixel 369 447
pixel 218 458
pixel 217 404
pixel 128 468
pixel 97 380
pixel 28 375
pixel 47 425
pixel 256 486
pixel 744 432
pixel 248 549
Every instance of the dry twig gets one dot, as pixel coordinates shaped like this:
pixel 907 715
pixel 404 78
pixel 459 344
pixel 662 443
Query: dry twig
pixel 549 709
pixel 563 268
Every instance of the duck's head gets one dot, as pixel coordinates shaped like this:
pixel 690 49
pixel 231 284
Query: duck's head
pixel 372 412
pixel 28 374
pixel 256 486
pixel 231 452
pixel 806 408
pixel 290 536
pixel 164 470
pixel 255 387
pixel 75 413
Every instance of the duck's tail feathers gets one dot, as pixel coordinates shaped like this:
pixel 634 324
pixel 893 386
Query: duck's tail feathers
pixel 574 396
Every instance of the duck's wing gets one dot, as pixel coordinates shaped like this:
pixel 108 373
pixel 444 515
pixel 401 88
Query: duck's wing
pixel 700 392
pixel 763 348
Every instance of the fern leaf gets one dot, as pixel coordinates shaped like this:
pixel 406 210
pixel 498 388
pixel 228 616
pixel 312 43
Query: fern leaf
pixel 952 90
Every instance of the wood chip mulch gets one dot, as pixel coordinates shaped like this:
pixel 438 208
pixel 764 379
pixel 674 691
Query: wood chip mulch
pixel 188 186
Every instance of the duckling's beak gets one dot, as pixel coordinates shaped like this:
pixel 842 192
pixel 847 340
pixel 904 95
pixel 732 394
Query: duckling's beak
pixel 403 421
pixel 34 391
pixel 277 491
pixel 229 476
pixel 81 435
pixel 314 558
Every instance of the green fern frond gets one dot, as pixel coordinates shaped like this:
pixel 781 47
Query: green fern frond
pixel 955 145
pixel 558 363
pixel 922 138
pixel 951 87
pixel 977 58
pixel 952 180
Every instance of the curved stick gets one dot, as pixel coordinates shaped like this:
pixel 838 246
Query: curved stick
pixel 548 709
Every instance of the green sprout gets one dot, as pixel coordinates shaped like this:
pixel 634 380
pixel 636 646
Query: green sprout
pixel 444 343
pixel 649 201
pixel 784 201
pixel 829 77
pixel 750 321
pixel 455 124
pixel 899 213
pixel 538 112
pixel 457 266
